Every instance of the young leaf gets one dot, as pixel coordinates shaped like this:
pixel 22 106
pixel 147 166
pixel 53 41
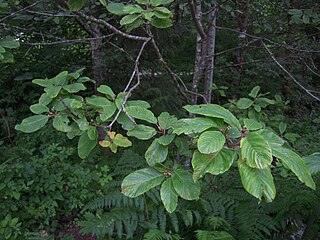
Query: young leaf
pixel 213 110
pixel 39 108
pixel 257 182
pixel 244 103
pixel 85 145
pixel 215 163
pixel 184 185
pixel 210 142
pixel 122 141
pixel 32 124
pixel 256 151
pixel 254 92
pixel 141 181
pixel 168 195
pixel 156 153
pixel 141 113
pixel 295 163
pixel 142 132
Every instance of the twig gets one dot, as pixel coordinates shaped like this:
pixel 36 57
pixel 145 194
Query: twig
pixel 196 18
pixel 134 73
pixel 288 73
pixel 69 110
pixel 8 128
pixel 112 28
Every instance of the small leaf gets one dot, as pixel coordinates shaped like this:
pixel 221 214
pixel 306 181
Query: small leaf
pixel 32 124
pixel 122 141
pixel 92 133
pixel 252 124
pixel 141 181
pixel 61 123
pixel 166 140
pixel 257 182
pixel 244 103
pixel 254 92
pixel 107 91
pixel 52 91
pixel 129 19
pixel 75 87
pixel 184 185
pixel 156 3
pixel 169 196
pixel 141 113
pixel 116 8
pixel 85 145
pixel 256 151
pixel 108 111
pixel 44 99
pixel 9 42
pixel 43 82
pixel 161 22
pixel 213 110
pixel 98 102
pixel 156 153
pixel 282 127
pixel 142 132
pixel 139 103
pixel 210 142
pixel 75 5
pixel 295 163
pixel 39 108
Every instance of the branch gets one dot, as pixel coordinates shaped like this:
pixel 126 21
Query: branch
pixel 134 73
pixel 112 28
pixel 196 16
pixel 288 73
pixel 68 109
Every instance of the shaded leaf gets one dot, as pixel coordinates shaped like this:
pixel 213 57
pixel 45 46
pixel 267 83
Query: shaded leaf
pixel 85 145
pixel 142 132
pixel 156 153
pixel 184 185
pixel 169 195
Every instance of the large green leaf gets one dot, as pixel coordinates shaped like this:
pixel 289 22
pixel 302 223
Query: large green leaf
pixel 142 132
pixel 108 111
pixel 169 196
pixel 129 19
pixel 52 91
pixel 43 82
pixel 116 8
pixel 74 87
pixel 256 151
pixel 141 181
pixel 213 110
pixel 210 142
pixel 141 113
pixel 295 163
pixel 257 182
pixel 244 103
pixel 215 163
pixel 184 185
pixel 193 125
pixel 156 153
pixel 98 101
pixel 39 108
pixel 313 162
pixel 9 42
pixel 156 3
pixel 166 139
pixel 61 123
pixel 252 124
pixel 166 120
pixel 107 91
pixel 75 5
pixel 85 145
pixel 32 124
pixel 272 138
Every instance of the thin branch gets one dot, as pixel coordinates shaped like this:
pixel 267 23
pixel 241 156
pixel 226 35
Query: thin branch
pixel 51 14
pixel 68 109
pixel 288 73
pixel 196 18
pixel 112 28
pixel 8 128
pixel 134 73
pixel 20 10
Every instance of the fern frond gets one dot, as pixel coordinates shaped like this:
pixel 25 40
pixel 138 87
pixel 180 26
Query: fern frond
pixel 155 234
pixel 213 235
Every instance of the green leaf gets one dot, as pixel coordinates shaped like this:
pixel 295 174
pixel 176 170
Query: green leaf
pixel 122 141
pixel 129 19
pixel 257 182
pixel 142 132
pixel 44 99
pixel 144 2
pixel 295 163
pixel 52 91
pixel 108 111
pixel 184 185
pixel 162 12
pixel 282 127
pixel 244 103
pixel 85 145
pixel 252 124
pixel 125 122
pixel 168 195
pixel 161 22
pixel 120 99
pixel 257 108
pixel 193 125
pixel 9 42
pixel 61 123
pixel 103 2
pixel 107 91
pixel 141 113
pixel 43 82
pixel 272 138
pixel 98 101
pixel 156 153
pixel 92 133
pixel 75 5
pixel 213 110
pixel 141 181
pixel 75 87
pixel 82 123
pixel 39 108
pixel 166 140
pixel 254 92
pixel 156 3
pixel 7 57
pixel 116 8
pixel 256 151
pixel 215 163
pixel 132 9
pixel 166 120
pixel 313 162
pixel 210 142
pixel 139 103
pixel 32 124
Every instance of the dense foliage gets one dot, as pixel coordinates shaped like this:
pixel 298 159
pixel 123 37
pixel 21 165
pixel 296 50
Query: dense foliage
pixel 159 119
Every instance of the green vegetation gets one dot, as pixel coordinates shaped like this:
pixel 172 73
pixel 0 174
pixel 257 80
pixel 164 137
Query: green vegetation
pixel 159 119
